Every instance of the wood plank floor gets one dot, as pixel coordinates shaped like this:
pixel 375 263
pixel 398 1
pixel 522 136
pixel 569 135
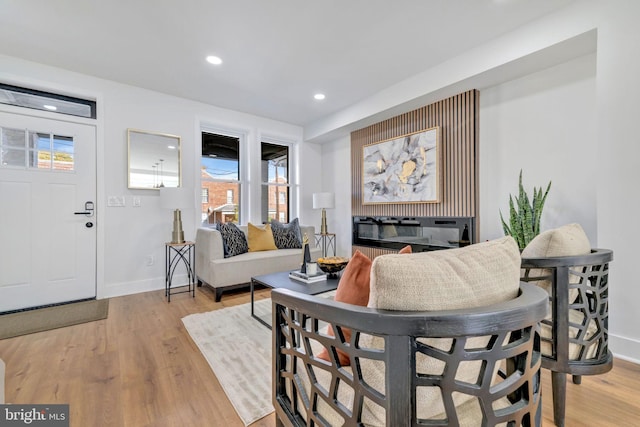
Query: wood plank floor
pixel 139 367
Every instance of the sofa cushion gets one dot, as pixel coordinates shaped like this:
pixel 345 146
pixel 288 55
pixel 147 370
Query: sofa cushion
pixel 473 276
pixel 353 288
pixel 260 238
pixel 233 239
pixel 286 236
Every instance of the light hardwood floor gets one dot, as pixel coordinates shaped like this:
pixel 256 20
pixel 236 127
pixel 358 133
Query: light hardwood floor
pixel 140 368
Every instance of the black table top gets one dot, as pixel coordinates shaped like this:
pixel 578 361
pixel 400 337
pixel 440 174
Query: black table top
pixel 282 280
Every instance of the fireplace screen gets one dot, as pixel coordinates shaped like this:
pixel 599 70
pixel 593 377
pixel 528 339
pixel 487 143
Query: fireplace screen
pixel 422 233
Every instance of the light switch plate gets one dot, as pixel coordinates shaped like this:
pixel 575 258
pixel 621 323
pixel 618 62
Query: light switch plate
pixel 115 201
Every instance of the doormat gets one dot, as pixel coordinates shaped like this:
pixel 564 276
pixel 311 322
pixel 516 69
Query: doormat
pixel 59 316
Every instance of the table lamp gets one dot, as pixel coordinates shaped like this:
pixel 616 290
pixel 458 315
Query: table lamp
pixel 176 198
pixel 323 201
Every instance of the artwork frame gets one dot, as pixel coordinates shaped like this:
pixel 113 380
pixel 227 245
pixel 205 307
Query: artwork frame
pixel 403 169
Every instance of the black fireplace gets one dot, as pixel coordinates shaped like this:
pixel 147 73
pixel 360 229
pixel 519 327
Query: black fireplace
pixel 422 233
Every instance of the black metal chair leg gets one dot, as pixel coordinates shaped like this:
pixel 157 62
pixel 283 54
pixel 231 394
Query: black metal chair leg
pixel 559 385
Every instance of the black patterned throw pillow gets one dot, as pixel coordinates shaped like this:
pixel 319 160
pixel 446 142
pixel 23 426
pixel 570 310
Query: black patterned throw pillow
pixel 286 236
pixel 233 239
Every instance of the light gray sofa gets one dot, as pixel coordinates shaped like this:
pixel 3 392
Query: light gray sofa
pixel 223 274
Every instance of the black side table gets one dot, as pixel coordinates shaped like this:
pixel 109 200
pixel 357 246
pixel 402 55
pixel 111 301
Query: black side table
pixel 175 253
pixel 326 241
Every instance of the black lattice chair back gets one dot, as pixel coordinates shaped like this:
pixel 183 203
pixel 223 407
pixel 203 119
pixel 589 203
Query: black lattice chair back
pixel 484 363
pixel 575 334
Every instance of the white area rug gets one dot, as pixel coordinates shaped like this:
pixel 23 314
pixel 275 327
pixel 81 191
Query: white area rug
pixel 238 349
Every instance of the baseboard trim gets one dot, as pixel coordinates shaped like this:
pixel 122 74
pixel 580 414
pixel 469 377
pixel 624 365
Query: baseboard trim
pixel 146 285
pixel 625 348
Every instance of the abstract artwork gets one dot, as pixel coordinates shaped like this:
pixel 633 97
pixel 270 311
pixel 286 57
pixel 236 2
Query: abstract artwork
pixel 405 169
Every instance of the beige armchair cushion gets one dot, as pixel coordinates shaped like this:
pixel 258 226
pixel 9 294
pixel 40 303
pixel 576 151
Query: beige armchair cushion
pixel 568 240
pixel 473 276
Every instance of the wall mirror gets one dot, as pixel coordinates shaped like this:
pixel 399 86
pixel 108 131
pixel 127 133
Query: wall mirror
pixel 154 159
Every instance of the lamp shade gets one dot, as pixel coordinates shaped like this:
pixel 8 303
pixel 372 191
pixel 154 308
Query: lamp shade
pixel 323 201
pixel 176 198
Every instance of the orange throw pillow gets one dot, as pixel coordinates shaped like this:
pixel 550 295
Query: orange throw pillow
pixel 406 250
pixel 353 289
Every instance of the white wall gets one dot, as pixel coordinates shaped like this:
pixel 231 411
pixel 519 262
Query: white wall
pixel 544 124
pixel 618 168
pixel 336 177
pixel 592 119
pixel 127 235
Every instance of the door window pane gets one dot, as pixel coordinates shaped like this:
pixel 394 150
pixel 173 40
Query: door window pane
pixel 63 153
pixel 39 150
pixel 12 157
pixel 13 138
pixel 36 150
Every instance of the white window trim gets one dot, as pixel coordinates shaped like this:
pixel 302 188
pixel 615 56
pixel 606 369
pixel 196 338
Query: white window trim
pixel 243 137
pixel 250 149
pixel 294 210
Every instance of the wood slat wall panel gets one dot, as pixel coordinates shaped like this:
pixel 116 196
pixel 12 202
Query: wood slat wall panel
pixel 458 122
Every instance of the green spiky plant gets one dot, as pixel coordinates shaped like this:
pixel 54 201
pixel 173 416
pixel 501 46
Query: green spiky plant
pixel 524 216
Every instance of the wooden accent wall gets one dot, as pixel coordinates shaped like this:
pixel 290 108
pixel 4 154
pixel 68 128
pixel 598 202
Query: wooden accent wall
pixel 457 118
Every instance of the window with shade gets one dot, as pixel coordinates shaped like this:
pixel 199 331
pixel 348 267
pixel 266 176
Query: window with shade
pixel 275 198
pixel 221 178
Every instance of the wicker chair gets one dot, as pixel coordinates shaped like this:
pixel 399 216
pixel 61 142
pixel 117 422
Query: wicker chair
pixel 501 340
pixel 575 334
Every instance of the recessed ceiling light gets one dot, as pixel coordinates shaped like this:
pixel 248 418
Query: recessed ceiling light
pixel 214 60
pixel 319 96
pixel 50 107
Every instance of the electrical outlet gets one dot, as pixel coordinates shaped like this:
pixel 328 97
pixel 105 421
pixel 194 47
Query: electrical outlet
pixel 149 260
pixel 136 201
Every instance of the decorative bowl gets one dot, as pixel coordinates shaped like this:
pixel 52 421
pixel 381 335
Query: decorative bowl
pixel 332 265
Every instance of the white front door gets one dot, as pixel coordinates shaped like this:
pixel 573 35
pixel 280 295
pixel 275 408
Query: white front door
pixel 47 183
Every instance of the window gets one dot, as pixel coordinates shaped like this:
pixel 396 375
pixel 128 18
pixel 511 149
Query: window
pixel 46 101
pixel 220 176
pixel 205 195
pixel 20 148
pixel 275 182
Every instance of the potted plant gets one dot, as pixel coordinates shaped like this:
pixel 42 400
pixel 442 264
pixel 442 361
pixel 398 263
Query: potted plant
pixel 524 214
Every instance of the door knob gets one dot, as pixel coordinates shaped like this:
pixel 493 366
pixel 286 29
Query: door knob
pixel 88 210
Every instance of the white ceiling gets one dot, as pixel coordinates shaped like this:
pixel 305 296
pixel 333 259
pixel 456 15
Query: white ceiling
pixel 276 53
